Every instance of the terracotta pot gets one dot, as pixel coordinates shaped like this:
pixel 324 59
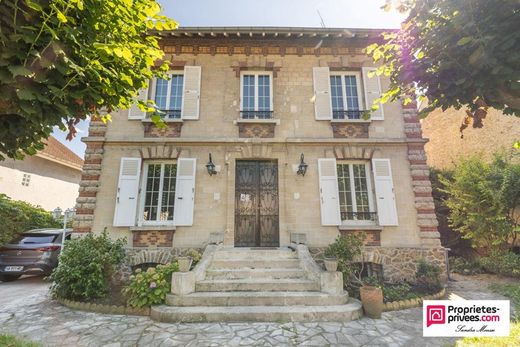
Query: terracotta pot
pixel 372 300
pixel 184 264
pixel 331 264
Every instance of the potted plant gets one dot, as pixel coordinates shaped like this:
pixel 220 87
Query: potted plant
pixel 330 261
pixel 184 263
pixel 371 297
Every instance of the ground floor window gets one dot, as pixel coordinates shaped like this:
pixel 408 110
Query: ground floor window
pixel 158 191
pixel 355 199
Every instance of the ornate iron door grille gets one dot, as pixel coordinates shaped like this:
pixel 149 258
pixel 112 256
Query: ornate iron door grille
pixel 256 204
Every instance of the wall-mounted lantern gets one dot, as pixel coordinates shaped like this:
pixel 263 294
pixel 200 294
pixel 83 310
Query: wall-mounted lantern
pixel 302 167
pixel 211 166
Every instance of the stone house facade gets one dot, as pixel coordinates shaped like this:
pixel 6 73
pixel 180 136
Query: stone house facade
pixel 266 137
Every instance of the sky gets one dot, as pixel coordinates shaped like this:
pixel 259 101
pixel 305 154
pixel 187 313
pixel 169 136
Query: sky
pixel 291 13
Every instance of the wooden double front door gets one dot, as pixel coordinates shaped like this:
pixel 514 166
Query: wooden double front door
pixel 256 204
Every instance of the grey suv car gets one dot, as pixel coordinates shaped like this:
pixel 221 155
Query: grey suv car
pixel 34 252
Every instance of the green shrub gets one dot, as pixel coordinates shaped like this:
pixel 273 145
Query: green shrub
pixel 503 263
pixel 85 267
pixel 428 276
pixel 347 249
pixel 195 256
pixel 465 266
pixel 397 292
pixel 147 288
pixel 19 216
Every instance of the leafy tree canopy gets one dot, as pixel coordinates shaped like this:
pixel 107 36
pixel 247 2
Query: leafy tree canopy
pixel 62 60
pixel 454 53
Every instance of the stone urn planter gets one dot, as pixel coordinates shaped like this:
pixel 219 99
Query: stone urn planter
pixel 331 264
pixel 372 300
pixel 184 263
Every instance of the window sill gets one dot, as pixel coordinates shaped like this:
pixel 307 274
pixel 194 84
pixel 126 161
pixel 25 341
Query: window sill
pixel 148 120
pixel 350 120
pixel 256 121
pixel 153 227
pixel 355 227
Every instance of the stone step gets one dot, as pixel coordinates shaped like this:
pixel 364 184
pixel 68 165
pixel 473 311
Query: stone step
pixel 254 273
pixel 256 299
pixel 257 284
pixel 334 313
pixel 254 263
pixel 246 253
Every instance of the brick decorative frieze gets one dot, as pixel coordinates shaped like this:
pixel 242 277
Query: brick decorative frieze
pixel 422 188
pixel 89 183
pixel 350 130
pixel 173 129
pixel 258 130
pixel 152 238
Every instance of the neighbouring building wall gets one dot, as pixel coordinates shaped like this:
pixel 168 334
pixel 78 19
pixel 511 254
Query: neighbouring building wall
pixel 40 182
pixel 446 146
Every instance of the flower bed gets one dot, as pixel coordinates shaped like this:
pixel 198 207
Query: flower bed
pixel 102 308
pixel 403 304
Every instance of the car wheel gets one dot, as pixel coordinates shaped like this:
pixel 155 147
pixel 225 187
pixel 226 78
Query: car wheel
pixel 9 278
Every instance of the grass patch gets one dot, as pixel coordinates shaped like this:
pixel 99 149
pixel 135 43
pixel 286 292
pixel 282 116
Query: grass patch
pixel 12 341
pixel 511 291
pixel 511 340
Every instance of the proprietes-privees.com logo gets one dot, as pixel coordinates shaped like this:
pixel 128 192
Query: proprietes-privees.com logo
pixel 466 318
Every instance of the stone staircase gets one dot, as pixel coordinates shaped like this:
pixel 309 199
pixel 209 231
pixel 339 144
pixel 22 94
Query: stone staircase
pixel 245 284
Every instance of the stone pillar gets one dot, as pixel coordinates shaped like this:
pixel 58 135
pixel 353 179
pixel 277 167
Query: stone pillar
pixel 183 283
pixel 331 282
pixel 422 188
pixel 89 184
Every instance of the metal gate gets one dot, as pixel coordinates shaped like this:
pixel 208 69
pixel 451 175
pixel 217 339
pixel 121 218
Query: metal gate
pixel 256 204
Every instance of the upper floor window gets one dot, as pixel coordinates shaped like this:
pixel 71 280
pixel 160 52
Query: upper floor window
pixel 158 200
pixel 26 180
pixel 256 95
pixel 346 95
pixel 168 95
pixel 355 193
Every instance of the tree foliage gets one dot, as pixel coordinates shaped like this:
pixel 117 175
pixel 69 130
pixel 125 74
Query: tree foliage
pixel 62 60
pixel 454 53
pixel 19 216
pixel 484 200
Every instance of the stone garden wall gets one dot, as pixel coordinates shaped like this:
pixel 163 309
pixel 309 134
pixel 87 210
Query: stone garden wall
pixel 399 263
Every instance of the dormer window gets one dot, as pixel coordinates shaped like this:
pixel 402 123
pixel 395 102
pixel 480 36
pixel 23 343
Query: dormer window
pixel 256 93
pixel 168 96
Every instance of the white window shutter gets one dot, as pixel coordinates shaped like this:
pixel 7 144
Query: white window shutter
pixel 127 191
pixel 385 197
pixel 191 94
pixel 185 191
pixel 329 193
pixel 322 100
pixel 135 112
pixel 372 87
